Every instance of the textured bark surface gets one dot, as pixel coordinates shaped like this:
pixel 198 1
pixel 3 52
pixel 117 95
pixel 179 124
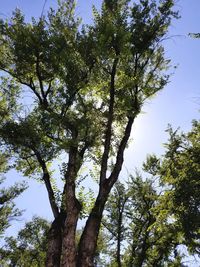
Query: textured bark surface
pixel 119 238
pixel 69 251
pixel 88 241
pixel 73 207
pixel 54 244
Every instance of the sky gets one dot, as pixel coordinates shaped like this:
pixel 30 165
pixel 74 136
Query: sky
pixel 178 103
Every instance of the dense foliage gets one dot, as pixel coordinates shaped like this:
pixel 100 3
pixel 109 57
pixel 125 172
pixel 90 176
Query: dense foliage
pixel 29 247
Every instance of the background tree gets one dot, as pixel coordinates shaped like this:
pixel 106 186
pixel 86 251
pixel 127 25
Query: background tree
pixel 148 219
pixel 87 88
pixel 115 221
pixel 147 238
pixel 29 247
pixel 8 210
pixel 179 171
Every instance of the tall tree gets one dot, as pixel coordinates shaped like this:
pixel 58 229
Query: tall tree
pixel 87 87
pixel 114 221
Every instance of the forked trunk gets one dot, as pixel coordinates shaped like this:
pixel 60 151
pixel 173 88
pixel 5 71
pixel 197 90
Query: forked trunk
pixel 88 242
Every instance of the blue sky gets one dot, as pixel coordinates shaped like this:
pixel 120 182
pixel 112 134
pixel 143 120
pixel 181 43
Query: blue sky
pixel 178 104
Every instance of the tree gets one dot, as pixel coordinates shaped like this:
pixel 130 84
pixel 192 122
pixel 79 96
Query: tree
pixel 8 211
pixel 87 88
pixel 179 171
pixel 114 221
pixel 147 238
pixel 147 219
pixel 29 247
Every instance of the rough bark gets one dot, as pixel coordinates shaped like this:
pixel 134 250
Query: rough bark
pixel 73 207
pixel 119 264
pixel 46 179
pixel 55 242
pixel 55 233
pixel 69 252
pixel 88 242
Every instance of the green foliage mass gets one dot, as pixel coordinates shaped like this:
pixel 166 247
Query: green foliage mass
pixel 29 247
pixel 66 73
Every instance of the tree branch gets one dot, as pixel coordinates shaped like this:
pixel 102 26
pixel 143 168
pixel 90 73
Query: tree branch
pixel 40 78
pixel 120 154
pixel 108 132
pixel 30 84
pixel 46 178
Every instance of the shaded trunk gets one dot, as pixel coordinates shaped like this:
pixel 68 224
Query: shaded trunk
pixel 55 242
pixel 88 241
pixel 73 207
pixel 69 252
pixel 142 254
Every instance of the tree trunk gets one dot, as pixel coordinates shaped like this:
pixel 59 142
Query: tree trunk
pixel 88 241
pixel 69 251
pixel 73 207
pixel 55 242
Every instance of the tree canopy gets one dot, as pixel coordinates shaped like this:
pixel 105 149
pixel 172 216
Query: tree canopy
pixel 86 85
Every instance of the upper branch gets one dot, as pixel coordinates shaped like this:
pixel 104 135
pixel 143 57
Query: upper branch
pixel 120 154
pixel 29 84
pixel 39 76
pixel 108 132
